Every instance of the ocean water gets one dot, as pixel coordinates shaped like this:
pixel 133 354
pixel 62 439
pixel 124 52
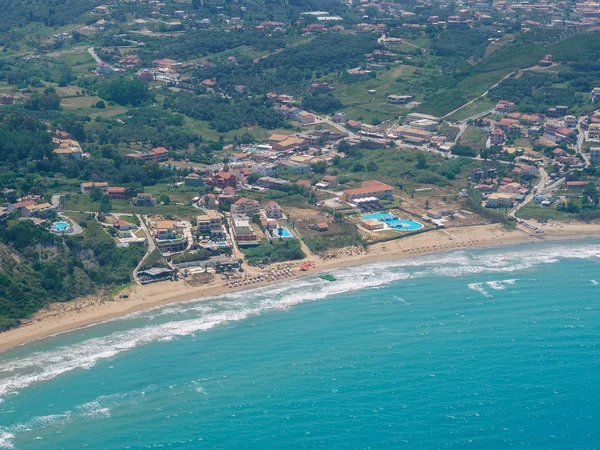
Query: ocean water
pixel 468 349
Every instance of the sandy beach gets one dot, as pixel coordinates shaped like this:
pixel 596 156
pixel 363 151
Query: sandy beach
pixel 58 318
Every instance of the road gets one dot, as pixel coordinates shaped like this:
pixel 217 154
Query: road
pixel 540 188
pixel 496 84
pixel 580 140
pixel 150 249
pixel 338 126
pixel 94 55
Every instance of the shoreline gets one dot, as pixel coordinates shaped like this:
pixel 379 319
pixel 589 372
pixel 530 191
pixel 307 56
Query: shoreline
pixel 89 311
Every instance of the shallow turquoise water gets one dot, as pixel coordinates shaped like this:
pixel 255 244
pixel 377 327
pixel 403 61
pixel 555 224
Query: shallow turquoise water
pixel 469 349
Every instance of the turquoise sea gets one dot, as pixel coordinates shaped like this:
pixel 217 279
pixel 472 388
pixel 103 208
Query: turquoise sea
pixel 468 349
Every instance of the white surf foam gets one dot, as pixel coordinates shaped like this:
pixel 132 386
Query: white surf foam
pixel 479 288
pixel 5 440
pixel 594 282
pixel 22 372
pixel 501 284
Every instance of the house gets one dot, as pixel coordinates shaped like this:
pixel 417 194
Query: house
pixel 210 201
pixel 546 61
pixel 273 210
pixel 497 137
pixel 484 188
pixel 38 210
pixel 120 193
pixel 528 171
pixel 322 226
pixel 504 106
pixel 156 154
pixel 595 153
pixel 210 224
pixel 372 189
pixel 399 99
pixel 268 224
pixel 499 200
pixel 245 207
pixel 340 117
pixel 67 148
pixel 122 225
pixel 576 185
pixel 86 188
pixel 353 124
pixel 20 207
pixel 596 94
pixel 306 183
pixel 193 180
pixel 166 230
pixel 144 199
pixel 272 183
pixel 226 194
pixel 594 131
pixel 223 179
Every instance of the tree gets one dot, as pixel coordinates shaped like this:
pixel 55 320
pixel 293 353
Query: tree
pixel 105 204
pixel 125 92
pixel 319 167
pixel 95 194
pixel 253 178
pixel 422 161
pixel 426 204
pixel 165 199
pixel 372 167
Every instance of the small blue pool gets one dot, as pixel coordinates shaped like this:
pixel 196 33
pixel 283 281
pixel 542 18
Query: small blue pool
pixel 393 222
pixel 285 233
pixel 60 226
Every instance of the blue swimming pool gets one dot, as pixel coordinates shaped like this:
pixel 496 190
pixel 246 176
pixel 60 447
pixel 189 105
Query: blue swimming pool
pixel 60 226
pixel 393 222
pixel 285 233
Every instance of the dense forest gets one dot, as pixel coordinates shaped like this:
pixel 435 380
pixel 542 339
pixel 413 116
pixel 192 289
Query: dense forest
pixel 225 114
pixel 38 268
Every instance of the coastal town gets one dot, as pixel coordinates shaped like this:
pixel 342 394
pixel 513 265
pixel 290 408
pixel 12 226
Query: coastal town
pixel 219 145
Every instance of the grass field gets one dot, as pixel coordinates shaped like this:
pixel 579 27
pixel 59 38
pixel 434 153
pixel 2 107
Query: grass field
pixel 359 103
pixel 474 138
pixel 478 106
pixel 539 212
pixel 204 129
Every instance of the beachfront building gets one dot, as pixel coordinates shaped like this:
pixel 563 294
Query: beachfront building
pixel 168 237
pixel 210 224
pixel 243 231
pixel 155 274
pixel 499 200
pixel 373 189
